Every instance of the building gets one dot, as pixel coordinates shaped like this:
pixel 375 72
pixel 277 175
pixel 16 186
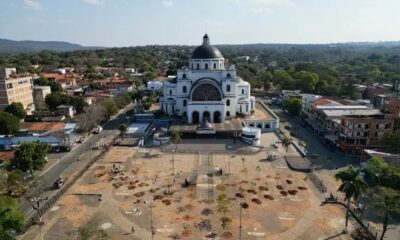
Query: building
pixel 154 85
pixel 207 91
pixel 307 100
pixel 15 88
pixel 39 96
pixel 364 129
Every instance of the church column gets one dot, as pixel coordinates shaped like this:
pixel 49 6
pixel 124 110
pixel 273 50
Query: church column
pixel 189 113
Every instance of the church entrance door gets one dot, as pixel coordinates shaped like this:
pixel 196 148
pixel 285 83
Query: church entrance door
pixel 195 117
pixel 217 117
pixel 206 116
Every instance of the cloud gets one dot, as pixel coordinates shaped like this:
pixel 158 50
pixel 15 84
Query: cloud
pixel 261 10
pixel 94 2
pixel 31 4
pixel 167 3
pixel 274 2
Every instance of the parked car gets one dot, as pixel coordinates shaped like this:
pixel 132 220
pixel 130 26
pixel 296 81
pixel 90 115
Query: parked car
pixel 97 130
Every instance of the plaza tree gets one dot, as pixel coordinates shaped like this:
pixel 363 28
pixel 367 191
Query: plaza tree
pixel 286 142
pixel 8 123
pixel 352 186
pixel 386 202
pixel 31 156
pixel 16 109
pixel 392 140
pixel 122 129
pixel 176 137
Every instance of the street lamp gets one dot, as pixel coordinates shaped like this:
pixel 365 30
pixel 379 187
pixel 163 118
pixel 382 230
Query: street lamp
pixel 240 220
pixel 173 162
pixel 229 159
pixel 150 203
pixel 36 203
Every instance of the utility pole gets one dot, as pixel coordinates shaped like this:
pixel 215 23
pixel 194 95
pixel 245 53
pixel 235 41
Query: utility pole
pixel 36 203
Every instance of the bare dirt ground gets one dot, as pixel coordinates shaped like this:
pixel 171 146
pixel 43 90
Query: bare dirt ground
pixel 277 202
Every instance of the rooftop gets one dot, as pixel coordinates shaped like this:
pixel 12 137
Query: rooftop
pixel 43 126
pixel 351 112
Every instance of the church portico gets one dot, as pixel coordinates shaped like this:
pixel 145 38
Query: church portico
pixel 198 112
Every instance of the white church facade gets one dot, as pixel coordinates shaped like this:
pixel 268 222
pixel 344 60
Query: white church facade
pixel 206 90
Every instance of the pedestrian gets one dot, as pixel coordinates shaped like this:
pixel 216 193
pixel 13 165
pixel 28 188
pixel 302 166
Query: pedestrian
pixel 132 230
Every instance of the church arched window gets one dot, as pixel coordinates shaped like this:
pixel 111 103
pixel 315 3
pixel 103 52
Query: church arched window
pixel 228 113
pixel 242 91
pixel 184 76
pixel 228 102
pixel 198 66
pixel 228 75
pixel 215 66
pixel 184 89
pixel 206 66
pixel 228 88
pixel 184 103
pixel 170 92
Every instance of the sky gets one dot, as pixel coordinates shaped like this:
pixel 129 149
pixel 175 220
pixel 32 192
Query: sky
pixel 117 23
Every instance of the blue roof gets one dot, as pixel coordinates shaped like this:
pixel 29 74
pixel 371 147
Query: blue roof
pixel 18 140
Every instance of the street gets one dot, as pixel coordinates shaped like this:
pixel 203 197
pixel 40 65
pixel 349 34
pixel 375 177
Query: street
pixel 68 164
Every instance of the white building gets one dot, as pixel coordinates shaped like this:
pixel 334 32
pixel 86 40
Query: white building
pixel 207 90
pixel 154 85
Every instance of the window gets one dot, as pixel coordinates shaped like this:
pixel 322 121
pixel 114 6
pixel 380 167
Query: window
pixel 228 88
pixel 215 66
pixel 184 89
pixel 184 76
pixel 184 103
pixel 228 75
pixel 170 92
pixel 198 66
pixel 242 91
pixel 228 113
pixel 228 102
pixel 9 85
pixel 206 66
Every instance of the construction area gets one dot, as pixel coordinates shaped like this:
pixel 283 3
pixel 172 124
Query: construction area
pixel 148 194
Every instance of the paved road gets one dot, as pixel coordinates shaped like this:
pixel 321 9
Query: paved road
pixel 68 164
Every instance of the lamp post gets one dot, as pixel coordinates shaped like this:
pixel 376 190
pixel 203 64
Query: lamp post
pixel 229 159
pixel 150 203
pixel 240 220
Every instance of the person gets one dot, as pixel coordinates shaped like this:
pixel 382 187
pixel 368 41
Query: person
pixel 133 229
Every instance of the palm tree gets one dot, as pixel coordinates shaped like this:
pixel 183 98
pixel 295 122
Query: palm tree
pixel 352 186
pixel 286 142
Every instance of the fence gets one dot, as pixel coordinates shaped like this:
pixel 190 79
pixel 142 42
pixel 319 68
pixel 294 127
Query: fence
pixel 50 202
pixel 357 215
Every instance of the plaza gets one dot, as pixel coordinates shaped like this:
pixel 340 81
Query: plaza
pixel 142 189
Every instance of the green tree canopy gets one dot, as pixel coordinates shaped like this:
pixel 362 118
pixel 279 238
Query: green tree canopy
pixel 8 123
pixel 293 106
pixel 10 218
pixel 55 99
pixel 282 78
pixel 16 109
pixel 111 106
pixel 392 140
pixel 31 156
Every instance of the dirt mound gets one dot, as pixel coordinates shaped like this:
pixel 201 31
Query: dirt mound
pixel 279 187
pixel 227 235
pixel 269 197
pixel 292 192
pixel 284 193
pixel 239 195
pixel 302 188
pixel 256 201
pixel 289 181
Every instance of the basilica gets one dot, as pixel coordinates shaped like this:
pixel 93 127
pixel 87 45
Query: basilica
pixel 206 91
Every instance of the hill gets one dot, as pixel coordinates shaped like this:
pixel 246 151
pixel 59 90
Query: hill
pixel 11 47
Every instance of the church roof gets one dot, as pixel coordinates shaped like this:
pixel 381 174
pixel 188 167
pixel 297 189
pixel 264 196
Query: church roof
pixel 206 51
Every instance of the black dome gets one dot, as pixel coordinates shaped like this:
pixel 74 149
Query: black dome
pixel 206 51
